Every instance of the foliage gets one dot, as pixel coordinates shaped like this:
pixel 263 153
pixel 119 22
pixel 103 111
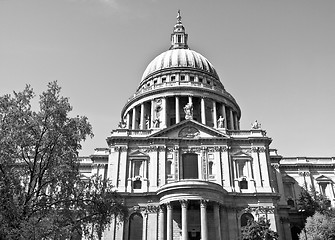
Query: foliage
pixel 311 201
pixel 41 193
pixel 258 230
pixel 319 227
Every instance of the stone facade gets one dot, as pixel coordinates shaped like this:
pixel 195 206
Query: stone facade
pixel 184 166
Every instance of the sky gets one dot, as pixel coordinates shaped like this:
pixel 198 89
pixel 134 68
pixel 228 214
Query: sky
pixel 277 58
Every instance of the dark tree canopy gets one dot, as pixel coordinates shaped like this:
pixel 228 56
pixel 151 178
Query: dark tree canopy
pixel 42 195
pixel 258 230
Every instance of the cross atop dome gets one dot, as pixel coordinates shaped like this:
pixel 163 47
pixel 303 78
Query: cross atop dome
pixel 179 17
pixel 179 37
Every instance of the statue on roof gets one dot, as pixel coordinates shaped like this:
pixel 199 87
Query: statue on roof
pixel 255 125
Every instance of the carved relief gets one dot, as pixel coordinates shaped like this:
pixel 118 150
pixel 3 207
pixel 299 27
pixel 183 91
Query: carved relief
pixel 189 132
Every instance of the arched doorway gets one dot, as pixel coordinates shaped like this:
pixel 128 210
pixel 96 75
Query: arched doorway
pixel 135 227
pixel 190 166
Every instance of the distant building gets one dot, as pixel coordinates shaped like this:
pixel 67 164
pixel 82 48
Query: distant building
pixel 184 166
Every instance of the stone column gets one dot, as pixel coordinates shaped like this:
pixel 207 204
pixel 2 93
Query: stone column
pixel 214 114
pixel 236 122
pixel 142 121
pixel 134 119
pixel 203 220
pixel 203 111
pixel 164 113
pixel 224 224
pixel 184 229
pixel 128 120
pixel 224 115
pixel 231 119
pixel 217 221
pixel 161 222
pixel 152 113
pixel 169 223
pixel 145 223
pixel 177 110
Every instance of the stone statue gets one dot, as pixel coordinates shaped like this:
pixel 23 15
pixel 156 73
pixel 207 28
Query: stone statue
pixel 147 122
pixel 188 109
pixel 122 124
pixel 156 122
pixel 255 125
pixel 221 122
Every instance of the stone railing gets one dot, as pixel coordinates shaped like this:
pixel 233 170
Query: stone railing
pixel 131 132
pixel 177 84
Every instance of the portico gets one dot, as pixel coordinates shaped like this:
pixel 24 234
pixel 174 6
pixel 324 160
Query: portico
pixel 189 219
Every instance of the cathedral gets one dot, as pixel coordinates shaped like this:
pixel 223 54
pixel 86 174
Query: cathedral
pixel 185 168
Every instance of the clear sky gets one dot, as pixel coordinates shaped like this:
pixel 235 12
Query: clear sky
pixel 277 58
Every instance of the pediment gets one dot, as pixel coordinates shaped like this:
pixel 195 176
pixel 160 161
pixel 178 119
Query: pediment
pixel 242 154
pixel 138 154
pixel 189 129
pixel 323 178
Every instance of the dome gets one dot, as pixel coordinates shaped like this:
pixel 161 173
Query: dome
pixel 181 58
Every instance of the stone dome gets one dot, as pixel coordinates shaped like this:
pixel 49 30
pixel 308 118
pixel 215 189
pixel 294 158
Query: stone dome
pixel 179 58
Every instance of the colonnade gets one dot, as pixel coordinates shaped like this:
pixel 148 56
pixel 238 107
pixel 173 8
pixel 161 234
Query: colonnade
pixel 166 228
pixel 166 111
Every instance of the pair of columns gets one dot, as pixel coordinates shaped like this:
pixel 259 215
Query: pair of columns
pixel 184 224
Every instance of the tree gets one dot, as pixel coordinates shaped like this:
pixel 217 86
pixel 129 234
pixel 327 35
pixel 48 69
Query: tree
pixel 42 195
pixel 311 202
pixel 258 230
pixel 319 227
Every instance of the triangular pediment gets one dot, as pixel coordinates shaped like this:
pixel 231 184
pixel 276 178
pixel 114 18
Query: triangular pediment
pixel 137 153
pixel 189 129
pixel 323 178
pixel 242 154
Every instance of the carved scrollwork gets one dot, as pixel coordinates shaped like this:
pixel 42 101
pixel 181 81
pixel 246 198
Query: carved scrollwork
pixel 275 166
pixel 224 148
pixel 120 148
pixel 152 209
pixel 304 173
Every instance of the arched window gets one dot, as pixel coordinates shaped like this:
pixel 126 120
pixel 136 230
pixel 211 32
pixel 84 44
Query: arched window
pixel 210 168
pixel 245 218
pixel 169 167
pixel 135 226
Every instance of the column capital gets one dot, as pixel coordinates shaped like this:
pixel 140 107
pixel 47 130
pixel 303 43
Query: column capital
pixel 168 206
pixel 203 203
pixel 183 203
pixel 161 208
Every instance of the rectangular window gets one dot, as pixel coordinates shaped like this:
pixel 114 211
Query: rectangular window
pixel 242 170
pixel 191 78
pixel 163 80
pixel 182 78
pixel 173 78
pixel 137 168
